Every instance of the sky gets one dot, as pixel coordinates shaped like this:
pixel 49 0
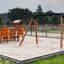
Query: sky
pixel 54 5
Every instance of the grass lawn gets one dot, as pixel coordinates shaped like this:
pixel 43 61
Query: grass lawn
pixel 59 59
pixel 3 61
pixel 53 31
pixel 50 31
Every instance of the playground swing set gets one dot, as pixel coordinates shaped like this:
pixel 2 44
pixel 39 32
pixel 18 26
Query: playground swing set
pixel 34 20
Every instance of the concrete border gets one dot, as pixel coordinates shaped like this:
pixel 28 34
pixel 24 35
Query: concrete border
pixel 32 59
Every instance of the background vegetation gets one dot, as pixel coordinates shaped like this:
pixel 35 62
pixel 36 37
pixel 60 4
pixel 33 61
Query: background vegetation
pixel 26 14
pixel 59 59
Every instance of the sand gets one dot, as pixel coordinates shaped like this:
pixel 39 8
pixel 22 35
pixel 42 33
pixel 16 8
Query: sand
pixel 29 49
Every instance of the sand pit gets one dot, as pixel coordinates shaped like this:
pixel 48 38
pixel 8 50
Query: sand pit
pixel 29 49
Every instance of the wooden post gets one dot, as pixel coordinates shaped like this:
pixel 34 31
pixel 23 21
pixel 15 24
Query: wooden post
pixel 22 23
pixel 25 33
pixel 35 25
pixel 61 36
pixel 31 30
pixel 42 24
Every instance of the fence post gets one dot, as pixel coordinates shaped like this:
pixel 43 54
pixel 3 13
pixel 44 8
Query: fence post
pixel 46 30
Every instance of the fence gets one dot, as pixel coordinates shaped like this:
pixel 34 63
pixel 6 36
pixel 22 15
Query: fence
pixel 46 30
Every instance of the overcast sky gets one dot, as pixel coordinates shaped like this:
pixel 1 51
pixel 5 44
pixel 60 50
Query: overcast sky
pixel 54 5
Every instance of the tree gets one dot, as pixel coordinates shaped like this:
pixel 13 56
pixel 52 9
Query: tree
pixel 1 21
pixel 28 15
pixel 15 14
pixel 55 20
pixel 49 12
pixel 39 12
pixel 47 19
pixel 19 13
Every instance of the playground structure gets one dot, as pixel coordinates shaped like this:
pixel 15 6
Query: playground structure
pixel 17 31
pixel 35 26
pixel 13 33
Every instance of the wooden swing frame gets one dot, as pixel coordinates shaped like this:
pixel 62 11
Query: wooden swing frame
pixel 35 25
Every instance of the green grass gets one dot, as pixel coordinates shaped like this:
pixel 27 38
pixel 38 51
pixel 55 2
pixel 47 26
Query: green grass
pixel 3 61
pixel 58 31
pixel 49 31
pixel 59 59
pixel 53 31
